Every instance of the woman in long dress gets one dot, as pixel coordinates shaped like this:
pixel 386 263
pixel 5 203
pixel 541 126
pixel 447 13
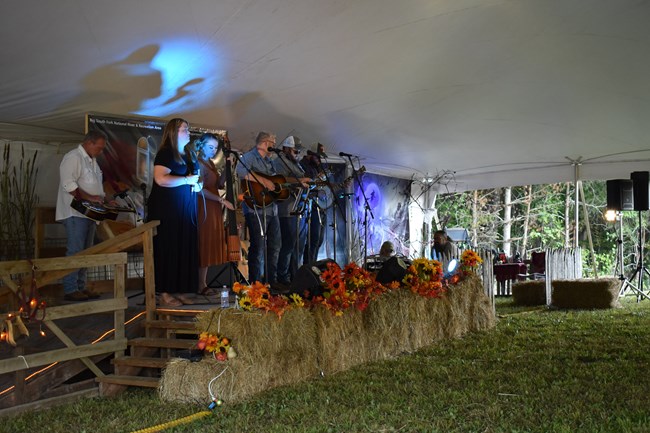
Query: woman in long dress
pixel 212 237
pixel 173 202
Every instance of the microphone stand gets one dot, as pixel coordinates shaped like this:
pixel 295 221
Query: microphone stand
pixel 366 210
pixel 328 183
pixel 265 191
pixel 143 187
pixel 298 215
pixel 124 195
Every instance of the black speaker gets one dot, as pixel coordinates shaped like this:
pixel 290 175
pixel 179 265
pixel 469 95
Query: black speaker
pixel 308 278
pixel 640 180
pixel 620 195
pixel 394 269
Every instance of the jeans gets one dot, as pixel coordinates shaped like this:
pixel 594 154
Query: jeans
pixel 316 236
pixel 80 233
pixel 256 263
pixel 289 257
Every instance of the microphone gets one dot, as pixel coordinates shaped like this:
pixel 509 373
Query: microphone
pixel 349 155
pixel 274 149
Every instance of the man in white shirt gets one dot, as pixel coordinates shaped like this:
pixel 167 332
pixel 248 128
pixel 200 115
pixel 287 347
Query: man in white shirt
pixel 81 178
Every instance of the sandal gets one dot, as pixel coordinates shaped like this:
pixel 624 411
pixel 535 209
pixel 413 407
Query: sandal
pixel 208 291
pixel 167 300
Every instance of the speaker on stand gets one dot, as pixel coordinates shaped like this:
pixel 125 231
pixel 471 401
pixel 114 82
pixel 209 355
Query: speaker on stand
pixel 640 182
pixel 620 194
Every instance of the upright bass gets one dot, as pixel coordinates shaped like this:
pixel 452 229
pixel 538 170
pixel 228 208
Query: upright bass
pixel 233 246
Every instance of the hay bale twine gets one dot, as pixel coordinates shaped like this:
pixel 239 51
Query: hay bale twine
pixel 586 293
pixel 529 292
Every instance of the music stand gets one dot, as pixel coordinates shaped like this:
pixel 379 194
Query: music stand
pixel 234 276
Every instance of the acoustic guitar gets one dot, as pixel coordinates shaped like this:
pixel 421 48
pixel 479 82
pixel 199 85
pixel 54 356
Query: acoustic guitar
pixel 255 194
pixel 97 211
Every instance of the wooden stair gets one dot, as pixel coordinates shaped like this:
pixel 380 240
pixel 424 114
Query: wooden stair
pixel 173 330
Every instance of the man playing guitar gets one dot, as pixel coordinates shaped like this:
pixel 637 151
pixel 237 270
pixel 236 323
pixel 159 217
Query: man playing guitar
pixel 261 220
pixel 293 224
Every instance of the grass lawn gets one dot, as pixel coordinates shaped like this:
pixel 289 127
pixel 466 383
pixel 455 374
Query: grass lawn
pixel 537 371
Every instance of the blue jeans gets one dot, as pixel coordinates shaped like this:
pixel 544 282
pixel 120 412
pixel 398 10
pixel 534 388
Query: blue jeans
pixel 256 248
pixel 316 236
pixel 81 235
pixel 289 258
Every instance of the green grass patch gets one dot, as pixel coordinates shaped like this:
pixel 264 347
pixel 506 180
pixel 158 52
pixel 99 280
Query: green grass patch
pixel 538 371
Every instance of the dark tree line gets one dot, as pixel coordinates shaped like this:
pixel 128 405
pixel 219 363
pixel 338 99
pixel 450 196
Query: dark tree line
pixel 531 218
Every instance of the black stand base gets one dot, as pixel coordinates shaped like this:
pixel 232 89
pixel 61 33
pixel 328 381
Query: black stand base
pixel 233 275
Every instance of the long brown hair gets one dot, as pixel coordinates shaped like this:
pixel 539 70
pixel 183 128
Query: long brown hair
pixel 170 137
pixel 202 141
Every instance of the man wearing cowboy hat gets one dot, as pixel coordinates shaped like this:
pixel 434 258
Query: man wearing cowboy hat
pixel 293 227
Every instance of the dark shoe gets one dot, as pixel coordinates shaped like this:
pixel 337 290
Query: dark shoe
pixel 91 294
pixel 279 289
pixel 75 296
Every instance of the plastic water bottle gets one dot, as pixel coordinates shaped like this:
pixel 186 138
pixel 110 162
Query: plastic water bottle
pixel 225 295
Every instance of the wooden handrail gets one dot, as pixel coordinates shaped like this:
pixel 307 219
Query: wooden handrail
pixel 118 243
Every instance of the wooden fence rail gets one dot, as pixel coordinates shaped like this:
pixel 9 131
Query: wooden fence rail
pixel 118 305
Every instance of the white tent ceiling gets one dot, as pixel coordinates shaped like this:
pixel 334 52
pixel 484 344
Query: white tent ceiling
pixel 500 92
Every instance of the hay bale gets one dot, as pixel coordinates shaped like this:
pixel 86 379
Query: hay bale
pixel 187 382
pixel 386 323
pixel 529 292
pixel 481 313
pixel 274 352
pixel 428 319
pixel 586 293
pixel 342 341
pixel 470 308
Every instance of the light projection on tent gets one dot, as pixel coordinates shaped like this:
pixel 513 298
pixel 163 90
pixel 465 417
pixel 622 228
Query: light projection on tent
pixel 190 76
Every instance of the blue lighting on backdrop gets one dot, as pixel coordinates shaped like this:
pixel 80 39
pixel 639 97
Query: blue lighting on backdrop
pixel 190 78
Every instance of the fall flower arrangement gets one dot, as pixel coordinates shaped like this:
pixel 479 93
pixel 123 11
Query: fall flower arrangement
pixel 257 296
pixel 218 345
pixel 424 277
pixel 469 262
pixel 351 286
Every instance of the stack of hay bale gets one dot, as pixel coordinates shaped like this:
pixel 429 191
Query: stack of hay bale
pixel 305 343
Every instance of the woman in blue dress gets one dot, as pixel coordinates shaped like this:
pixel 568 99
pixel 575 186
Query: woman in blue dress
pixel 173 202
